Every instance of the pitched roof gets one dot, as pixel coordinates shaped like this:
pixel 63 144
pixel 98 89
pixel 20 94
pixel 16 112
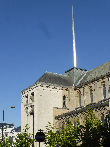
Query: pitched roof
pixel 58 79
pixel 96 73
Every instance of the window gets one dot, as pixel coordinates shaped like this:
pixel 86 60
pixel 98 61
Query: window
pixel 104 90
pixel 32 93
pixel 26 96
pixel 91 95
pixel 62 125
pixel 102 117
pixel 64 101
pixel 74 123
pixel 32 97
pixel 84 95
pixel 79 98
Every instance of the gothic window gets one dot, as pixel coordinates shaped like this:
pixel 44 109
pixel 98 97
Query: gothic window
pixel 62 125
pixel 91 95
pixel 79 98
pixel 104 90
pixel 102 117
pixel 84 95
pixel 74 123
pixel 64 101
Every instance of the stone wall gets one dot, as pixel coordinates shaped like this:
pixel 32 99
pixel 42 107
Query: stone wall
pixel 45 98
pixel 73 103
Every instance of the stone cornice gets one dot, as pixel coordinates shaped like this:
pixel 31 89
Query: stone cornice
pixel 47 85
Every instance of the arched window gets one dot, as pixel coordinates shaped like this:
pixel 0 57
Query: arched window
pixel 84 95
pixel 64 101
pixel 62 125
pixel 74 123
pixel 80 98
pixel 104 90
pixel 91 95
pixel 102 117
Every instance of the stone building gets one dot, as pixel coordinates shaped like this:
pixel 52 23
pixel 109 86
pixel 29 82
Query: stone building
pixel 55 97
pixel 92 90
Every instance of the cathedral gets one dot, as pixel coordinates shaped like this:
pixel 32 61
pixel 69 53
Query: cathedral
pixel 56 97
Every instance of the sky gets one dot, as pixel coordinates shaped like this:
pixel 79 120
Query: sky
pixel 36 36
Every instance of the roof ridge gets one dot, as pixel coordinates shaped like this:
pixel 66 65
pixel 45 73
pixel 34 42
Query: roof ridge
pixel 75 68
pixel 55 73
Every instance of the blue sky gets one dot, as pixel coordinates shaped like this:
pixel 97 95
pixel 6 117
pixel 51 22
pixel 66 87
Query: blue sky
pixel 36 36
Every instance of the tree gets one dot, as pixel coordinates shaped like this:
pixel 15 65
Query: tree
pixel 66 137
pixel 5 143
pixel 105 129
pixel 23 139
pixel 92 133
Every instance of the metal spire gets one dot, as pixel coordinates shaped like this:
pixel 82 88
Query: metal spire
pixel 74 42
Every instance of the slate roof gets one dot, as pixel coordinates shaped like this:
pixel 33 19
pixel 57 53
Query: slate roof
pixel 57 79
pixel 96 73
pixel 67 79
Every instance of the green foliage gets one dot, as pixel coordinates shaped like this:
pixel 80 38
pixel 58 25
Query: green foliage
pixel 68 136
pixel 23 139
pixel 5 143
pixel 105 131
pixel 92 133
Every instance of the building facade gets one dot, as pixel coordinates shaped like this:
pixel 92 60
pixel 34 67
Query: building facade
pixel 55 97
pixel 9 130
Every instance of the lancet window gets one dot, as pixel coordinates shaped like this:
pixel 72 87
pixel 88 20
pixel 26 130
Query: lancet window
pixel 80 98
pixel 104 90
pixel 91 95
pixel 64 101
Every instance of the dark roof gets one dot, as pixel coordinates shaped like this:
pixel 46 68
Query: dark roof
pixel 96 73
pixel 74 68
pixel 76 76
pixel 6 124
pixel 58 79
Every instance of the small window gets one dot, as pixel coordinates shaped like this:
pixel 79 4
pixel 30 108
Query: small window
pixel 91 95
pixel 102 117
pixel 62 125
pixel 32 93
pixel 83 91
pixel 26 96
pixel 80 99
pixel 104 90
pixel 64 101
pixel 74 123
pixel 84 95
pixel 32 97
